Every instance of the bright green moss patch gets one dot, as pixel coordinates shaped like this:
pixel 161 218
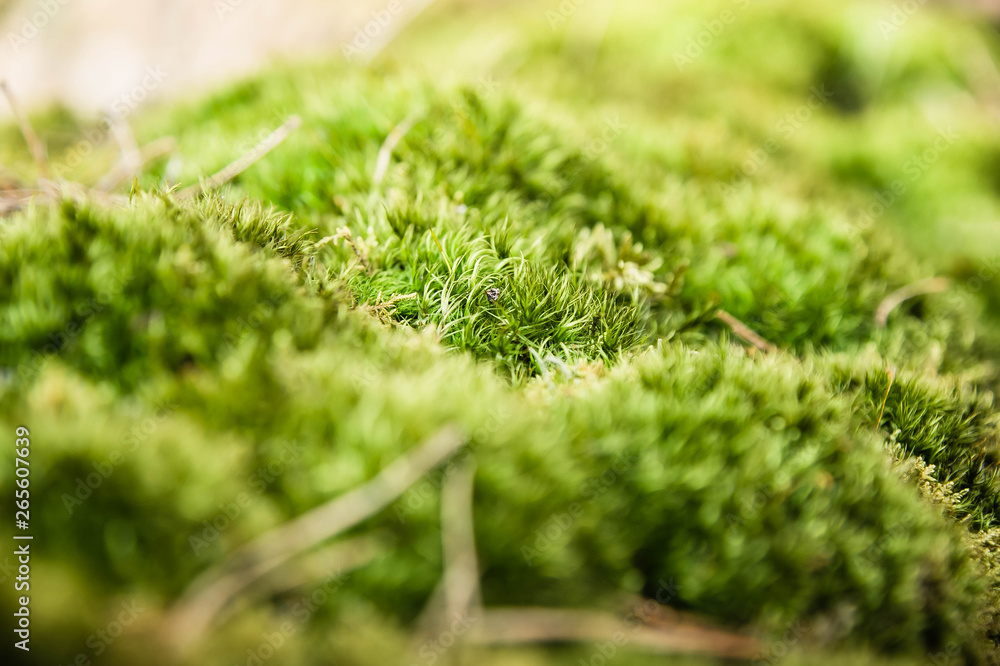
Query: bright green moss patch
pixel 954 432
pixel 545 280
pixel 747 482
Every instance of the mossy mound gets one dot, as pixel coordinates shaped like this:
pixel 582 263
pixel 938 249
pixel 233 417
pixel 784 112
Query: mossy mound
pixel 277 344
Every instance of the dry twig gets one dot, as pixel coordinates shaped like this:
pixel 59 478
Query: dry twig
pixel 382 309
pixel 34 143
pixel 270 142
pixel 337 559
pixel 745 332
pixel 130 159
pixel 933 285
pixel 457 597
pixel 213 590
pixel 461 575
pixel 385 152
pixel 148 153
pixel 669 634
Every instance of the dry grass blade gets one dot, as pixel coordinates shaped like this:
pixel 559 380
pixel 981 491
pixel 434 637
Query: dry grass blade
pixel 148 153
pixel 337 559
pixel 351 508
pixel 385 152
pixel 395 27
pixel 934 285
pixel 34 143
pixel 669 635
pixel 130 160
pixel 10 203
pixel 745 332
pixel 212 591
pixel 270 142
pixel 457 596
pixel 458 541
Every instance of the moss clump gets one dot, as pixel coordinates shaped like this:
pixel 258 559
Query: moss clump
pixel 737 478
pixel 552 296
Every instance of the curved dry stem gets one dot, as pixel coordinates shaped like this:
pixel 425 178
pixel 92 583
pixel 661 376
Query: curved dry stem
pixel 30 137
pixel 212 591
pixel 661 633
pixel 390 143
pixel 933 285
pixel 270 142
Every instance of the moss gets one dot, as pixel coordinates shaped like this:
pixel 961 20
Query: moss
pixel 286 338
pixel 788 504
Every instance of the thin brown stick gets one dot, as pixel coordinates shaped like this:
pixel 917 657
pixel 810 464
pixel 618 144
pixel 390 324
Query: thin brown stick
pixel 934 285
pixel 270 142
pixel 745 332
pixel 340 557
pixel 148 153
pixel 339 514
pixel 34 143
pixel 154 150
pixel 546 625
pixel 458 541
pixel 10 204
pixel 457 597
pixel 214 589
pixel 130 159
pixel 385 152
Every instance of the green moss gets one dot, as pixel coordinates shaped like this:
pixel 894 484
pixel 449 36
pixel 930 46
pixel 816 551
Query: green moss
pixel 288 337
